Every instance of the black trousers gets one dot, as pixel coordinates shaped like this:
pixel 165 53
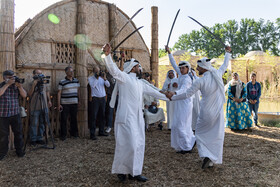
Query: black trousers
pixel 15 122
pixel 71 109
pixel 98 107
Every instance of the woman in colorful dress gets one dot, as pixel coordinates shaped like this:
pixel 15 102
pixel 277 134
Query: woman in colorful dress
pixel 238 113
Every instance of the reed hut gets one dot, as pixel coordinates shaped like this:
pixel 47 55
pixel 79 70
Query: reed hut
pixel 67 33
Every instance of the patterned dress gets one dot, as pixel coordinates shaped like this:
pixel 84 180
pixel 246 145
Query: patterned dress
pixel 238 114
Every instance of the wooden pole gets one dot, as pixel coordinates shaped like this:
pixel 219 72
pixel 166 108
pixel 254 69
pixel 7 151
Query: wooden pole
pixel 81 70
pixel 113 24
pixel 154 45
pixel 7 37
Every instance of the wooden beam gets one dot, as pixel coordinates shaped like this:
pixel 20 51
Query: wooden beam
pixel 47 66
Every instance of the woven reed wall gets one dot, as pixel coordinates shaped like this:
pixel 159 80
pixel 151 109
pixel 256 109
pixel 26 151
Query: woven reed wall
pixel 40 39
pixel 7 48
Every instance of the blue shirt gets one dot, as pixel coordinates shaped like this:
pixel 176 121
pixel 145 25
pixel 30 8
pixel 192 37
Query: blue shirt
pixel 253 91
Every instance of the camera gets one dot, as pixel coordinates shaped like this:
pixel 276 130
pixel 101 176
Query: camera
pixel 18 80
pixel 42 79
pixel 102 73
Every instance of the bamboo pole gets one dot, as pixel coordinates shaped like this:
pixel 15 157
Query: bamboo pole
pixel 81 70
pixel 112 24
pixel 7 38
pixel 154 45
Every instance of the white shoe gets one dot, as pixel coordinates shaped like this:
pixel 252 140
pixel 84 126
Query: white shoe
pixel 108 130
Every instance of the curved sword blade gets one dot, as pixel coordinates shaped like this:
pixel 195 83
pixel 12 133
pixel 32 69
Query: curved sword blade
pixel 172 27
pixel 124 26
pixel 217 38
pixel 127 38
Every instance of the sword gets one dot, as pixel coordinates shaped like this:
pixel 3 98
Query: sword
pixel 172 27
pixel 124 26
pixel 217 38
pixel 127 38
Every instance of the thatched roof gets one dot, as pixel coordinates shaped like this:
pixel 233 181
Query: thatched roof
pixel 255 53
pixel 24 29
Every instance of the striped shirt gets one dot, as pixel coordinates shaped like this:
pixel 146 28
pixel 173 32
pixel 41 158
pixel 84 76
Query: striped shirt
pixel 9 105
pixel 69 91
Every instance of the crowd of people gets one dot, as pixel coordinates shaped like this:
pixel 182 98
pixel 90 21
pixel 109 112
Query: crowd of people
pixel 135 100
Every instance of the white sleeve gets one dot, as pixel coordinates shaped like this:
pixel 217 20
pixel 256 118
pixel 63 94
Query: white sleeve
pixel 107 83
pixel 173 63
pixel 114 70
pixel 223 67
pixel 189 92
pixel 154 93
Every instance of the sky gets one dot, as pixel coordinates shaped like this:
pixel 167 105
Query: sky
pixel 207 12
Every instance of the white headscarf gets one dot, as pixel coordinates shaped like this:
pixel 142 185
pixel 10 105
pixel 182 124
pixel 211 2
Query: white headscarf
pixel 239 86
pixel 129 65
pixel 185 63
pixel 140 67
pixel 175 75
pixel 170 81
pixel 206 64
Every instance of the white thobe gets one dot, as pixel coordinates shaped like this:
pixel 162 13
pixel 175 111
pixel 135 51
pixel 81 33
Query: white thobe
pixel 196 108
pixel 170 104
pixel 152 117
pixel 210 128
pixel 182 137
pixel 129 121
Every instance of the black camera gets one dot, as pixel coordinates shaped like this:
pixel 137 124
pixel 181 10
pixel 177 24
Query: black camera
pixel 102 73
pixel 18 80
pixel 42 79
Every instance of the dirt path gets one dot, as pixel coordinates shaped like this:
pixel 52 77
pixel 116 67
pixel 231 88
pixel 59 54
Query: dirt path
pixel 250 159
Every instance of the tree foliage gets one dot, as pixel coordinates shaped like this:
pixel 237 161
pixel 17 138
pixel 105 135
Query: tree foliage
pixel 161 53
pixel 245 36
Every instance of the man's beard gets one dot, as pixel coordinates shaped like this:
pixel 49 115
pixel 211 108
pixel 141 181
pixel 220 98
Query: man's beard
pixel 139 75
pixel 200 73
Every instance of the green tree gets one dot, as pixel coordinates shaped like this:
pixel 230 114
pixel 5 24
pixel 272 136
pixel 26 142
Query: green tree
pixel 161 53
pixel 242 37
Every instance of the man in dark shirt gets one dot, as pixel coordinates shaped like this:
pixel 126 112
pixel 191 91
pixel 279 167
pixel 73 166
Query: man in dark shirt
pixel 9 113
pixel 109 111
pixel 38 108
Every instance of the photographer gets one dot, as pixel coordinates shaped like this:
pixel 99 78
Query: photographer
pixel 39 110
pixel 98 94
pixel 10 89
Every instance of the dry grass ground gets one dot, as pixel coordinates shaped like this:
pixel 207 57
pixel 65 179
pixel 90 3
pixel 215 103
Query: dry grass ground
pixel 250 159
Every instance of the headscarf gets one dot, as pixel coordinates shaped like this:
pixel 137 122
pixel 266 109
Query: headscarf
pixel 238 84
pixel 129 65
pixel 205 63
pixel 140 67
pixel 185 64
pixel 175 75
pixel 169 81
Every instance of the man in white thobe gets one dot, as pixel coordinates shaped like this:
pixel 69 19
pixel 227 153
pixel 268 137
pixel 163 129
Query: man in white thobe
pixel 170 84
pixel 210 126
pixel 196 100
pixel 129 121
pixel 182 137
